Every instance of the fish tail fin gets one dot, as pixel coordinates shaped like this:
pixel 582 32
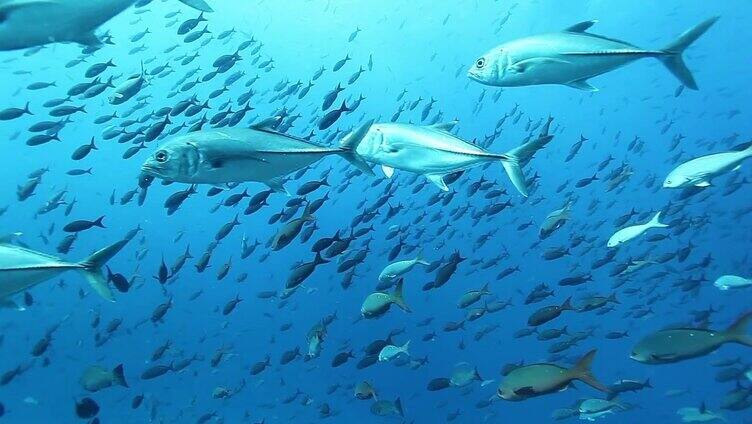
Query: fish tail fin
pixel 398 405
pixel 673 59
pixel 514 172
pixel 581 371
pixel 655 222
pixel 406 347
pixel 737 332
pixel 398 297
pixel 419 259
pixel 199 5
pixel 119 376
pixel 349 147
pixel 92 268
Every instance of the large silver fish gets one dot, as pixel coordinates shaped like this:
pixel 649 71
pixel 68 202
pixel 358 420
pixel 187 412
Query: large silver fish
pixel 431 151
pixel 572 56
pixel 30 23
pixel 232 155
pixel 22 268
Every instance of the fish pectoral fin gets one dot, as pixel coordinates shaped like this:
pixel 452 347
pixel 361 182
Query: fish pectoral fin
pixel 528 65
pixel 444 126
pixel 88 39
pixel 277 184
pixel 388 171
pixel 582 85
pixel 663 357
pixel 737 167
pixel 703 183
pixel 525 391
pixel 581 26
pixel 438 180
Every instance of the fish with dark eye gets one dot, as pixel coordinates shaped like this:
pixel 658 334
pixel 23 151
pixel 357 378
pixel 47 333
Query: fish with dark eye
pixel 679 344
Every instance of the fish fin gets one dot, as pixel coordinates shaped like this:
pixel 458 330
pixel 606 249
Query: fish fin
pixel 737 332
pixel 581 371
pixel 737 167
pixel 277 184
pixel 704 183
pixel 398 406
pixel 582 85
pixel 88 39
pixel 199 5
pixel 438 180
pixel 525 391
pixel 445 126
pixel 673 59
pixel 514 172
pixel 349 147
pixel 119 376
pixel 92 268
pixel 388 171
pixel 617 52
pixel 398 297
pixel 581 27
pixel 529 64
pixel 655 222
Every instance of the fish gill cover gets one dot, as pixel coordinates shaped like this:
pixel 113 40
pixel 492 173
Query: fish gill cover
pixel 354 211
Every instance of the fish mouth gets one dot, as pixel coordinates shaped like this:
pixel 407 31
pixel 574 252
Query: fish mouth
pixel 151 170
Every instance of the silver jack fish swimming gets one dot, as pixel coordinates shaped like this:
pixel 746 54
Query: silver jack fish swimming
pixel 30 23
pixel 573 56
pixel 431 151
pixel 22 268
pixel 232 155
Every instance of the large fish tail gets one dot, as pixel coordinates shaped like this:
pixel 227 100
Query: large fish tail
pixel 349 148
pixel 673 59
pixel 92 268
pixel 514 172
pixel 199 5
pixel 737 332
pixel 118 376
pixel 398 297
pixel 581 371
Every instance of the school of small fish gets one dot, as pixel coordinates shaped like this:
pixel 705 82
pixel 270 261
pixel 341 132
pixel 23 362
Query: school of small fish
pixel 294 223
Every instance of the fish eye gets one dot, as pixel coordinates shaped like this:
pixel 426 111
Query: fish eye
pixel 161 156
pixel 480 62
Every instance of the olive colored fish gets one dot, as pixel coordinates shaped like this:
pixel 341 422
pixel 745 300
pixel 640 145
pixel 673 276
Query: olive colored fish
pixel 541 379
pixel 679 344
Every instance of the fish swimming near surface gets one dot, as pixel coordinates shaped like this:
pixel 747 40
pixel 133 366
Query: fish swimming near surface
pixel 232 155
pixel 31 23
pixel 431 151
pixel 22 268
pixel 573 56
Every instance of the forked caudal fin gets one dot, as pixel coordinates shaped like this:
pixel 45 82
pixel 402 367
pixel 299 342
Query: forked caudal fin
pixel 350 145
pixel 738 331
pixel 581 371
pixel 673 59
pixel 92 268
pixel 514 172
pixel 655 222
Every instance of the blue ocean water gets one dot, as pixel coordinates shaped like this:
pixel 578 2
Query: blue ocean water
pixel 416 50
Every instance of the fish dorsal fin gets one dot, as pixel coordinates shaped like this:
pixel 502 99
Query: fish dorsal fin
pixel 444 126
pixel 581 27
pixel 277 184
